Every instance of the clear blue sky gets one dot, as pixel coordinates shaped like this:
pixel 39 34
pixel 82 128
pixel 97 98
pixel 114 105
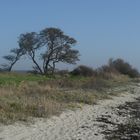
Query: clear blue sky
pixel 103 28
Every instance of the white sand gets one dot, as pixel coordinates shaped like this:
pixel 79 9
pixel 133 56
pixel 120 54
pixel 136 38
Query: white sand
pixel 71 125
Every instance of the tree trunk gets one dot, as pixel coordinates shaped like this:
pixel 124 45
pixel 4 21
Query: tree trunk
pixel 32 55
pixel 11 66
pixel 40 70
pixel 53 68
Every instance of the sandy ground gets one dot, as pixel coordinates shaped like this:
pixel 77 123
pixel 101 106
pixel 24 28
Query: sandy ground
pixel 80 124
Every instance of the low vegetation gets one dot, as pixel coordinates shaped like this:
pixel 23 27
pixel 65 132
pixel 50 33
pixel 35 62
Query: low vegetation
pixel 27 95
pixel 23 96
pixel 114 67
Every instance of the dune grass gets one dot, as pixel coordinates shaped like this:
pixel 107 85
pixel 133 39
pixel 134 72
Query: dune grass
pixel 23 96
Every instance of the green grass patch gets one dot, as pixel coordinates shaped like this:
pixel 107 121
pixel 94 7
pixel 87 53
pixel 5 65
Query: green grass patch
pixel 15 78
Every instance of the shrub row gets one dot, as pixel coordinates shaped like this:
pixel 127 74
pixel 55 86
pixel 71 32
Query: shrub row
pixel 118 66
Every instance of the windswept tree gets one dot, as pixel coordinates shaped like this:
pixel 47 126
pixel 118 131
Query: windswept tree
pixel 12 58
pixel 58 48
pixel 56 45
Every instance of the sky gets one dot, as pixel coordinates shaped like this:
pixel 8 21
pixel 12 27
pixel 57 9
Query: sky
pixel 103 28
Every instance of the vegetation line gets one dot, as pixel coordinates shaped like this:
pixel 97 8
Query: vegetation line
pixel 25 96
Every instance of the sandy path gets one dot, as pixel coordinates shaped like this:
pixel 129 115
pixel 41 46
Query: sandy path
pixel 71 125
